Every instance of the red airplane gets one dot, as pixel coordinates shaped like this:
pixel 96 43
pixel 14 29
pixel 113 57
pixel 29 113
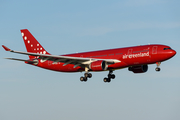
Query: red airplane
pixel 136 58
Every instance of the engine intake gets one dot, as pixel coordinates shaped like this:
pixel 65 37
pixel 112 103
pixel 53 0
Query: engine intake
pixel 98 65
pixel 138 69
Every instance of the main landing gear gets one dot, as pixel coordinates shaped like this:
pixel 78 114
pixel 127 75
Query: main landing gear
pixel 89 75
pixel 86 76
pixel 110 75
pixel 157 68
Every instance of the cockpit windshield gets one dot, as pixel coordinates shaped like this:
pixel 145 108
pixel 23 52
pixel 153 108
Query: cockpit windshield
pixel 167 48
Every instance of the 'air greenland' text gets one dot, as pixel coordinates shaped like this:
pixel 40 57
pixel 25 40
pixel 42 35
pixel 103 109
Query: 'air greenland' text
pixel 135 55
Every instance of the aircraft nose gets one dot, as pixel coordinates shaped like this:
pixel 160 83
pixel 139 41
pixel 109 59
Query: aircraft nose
pixel 173 53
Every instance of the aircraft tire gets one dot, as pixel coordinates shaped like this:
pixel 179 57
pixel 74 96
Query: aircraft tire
pixel 82 79
pixel 89 75
pixel 85 79
pixel 107 80
pixel 86 75
pixel 157 69
pixel 113 76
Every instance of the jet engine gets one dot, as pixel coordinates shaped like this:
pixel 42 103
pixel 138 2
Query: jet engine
pixel 99 65
pixel 138 69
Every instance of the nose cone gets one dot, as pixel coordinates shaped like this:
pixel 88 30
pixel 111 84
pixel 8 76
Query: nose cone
pixel 166 53
pixel 172 53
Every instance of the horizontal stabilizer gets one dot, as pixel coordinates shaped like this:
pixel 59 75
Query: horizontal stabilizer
pixel 29 61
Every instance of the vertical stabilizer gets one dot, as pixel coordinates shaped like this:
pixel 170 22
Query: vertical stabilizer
pixel 32 45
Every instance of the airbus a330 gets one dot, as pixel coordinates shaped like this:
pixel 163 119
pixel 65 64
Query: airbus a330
pixel 135 58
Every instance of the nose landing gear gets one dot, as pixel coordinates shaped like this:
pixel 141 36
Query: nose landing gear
pixel 110 75
pixel 157 68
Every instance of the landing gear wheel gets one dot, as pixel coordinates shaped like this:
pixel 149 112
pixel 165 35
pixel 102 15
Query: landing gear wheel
pixel 89 75
pixel 109 75
pixel 107 80
pixel 112 76
pixel 83 79
pixel 85 74
pixel 157 69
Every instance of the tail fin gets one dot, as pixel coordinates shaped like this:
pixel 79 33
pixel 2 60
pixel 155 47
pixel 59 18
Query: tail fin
pixel 32 45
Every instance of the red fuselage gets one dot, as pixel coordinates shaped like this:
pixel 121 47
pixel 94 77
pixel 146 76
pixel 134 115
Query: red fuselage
pixel 135 58
pixel 129 56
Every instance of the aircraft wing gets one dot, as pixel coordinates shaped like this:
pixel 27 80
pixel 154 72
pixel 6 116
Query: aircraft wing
pixel 77 61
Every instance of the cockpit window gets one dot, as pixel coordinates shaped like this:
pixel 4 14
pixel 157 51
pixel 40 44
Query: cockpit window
pixel 167 49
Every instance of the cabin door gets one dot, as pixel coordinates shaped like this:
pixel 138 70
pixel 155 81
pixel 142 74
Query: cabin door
pixel 154 49
pixel 130 51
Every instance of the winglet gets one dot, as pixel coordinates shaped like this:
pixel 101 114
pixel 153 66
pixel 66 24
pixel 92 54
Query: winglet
pixel 6 48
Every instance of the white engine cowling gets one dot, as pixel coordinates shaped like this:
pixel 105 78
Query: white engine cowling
pixel 138 69
pixel 98 65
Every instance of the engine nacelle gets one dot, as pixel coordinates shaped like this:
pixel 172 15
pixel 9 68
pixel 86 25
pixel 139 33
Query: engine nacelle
pixel 138 69
pixel 98 65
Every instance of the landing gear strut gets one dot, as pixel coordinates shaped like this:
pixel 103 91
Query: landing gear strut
pixel 110 75
pixel 157 68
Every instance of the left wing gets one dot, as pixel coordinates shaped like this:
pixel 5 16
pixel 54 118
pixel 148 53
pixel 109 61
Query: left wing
pixel 77 61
